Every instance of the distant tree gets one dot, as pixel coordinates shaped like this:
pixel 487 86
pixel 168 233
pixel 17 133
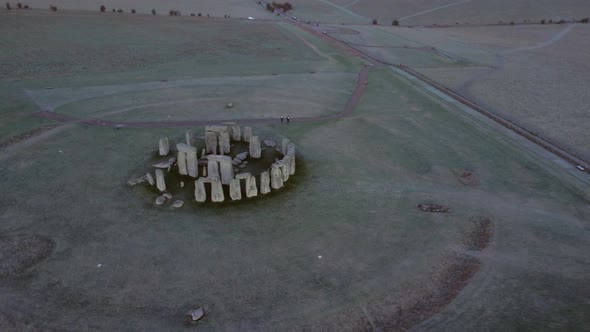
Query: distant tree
pixel 270 7
pixel 8 6
pixel 585 20
pixel 395 23
pixel 374 21
pixel 53 8
pixel 208 15
pixel 511 22
pixel 562 21
pixel 120 11
pixel 192 14
pixel 103 9
pixel 543 21
pixel 550 21
pixel 132 11
pixel 19 5
pixel 171 12
pixel 114 10
pixel 27 7
pixel 199 14
pixel 153 12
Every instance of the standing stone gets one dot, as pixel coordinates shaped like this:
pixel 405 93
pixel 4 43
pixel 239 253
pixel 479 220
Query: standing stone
pixel 189 137
pixel 235 190
pixel 227 170
pixel 217 191
pixel 200 193
pixel 160 183
pixel 205 171
pixel 285 169
pixel 255 147
pixel 236 133
pixel 203 153
pixel 150 179
pixel 182 163
pixel 264 183
pixel 284 145
pixel 276 178
pixel 211 142
pixel 247 134
pixel 164 146
pixel 212 169
pixel 251 189
pixel 192 164
pixel 224 142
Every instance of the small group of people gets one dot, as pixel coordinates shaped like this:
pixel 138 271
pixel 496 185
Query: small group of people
pixel 288 119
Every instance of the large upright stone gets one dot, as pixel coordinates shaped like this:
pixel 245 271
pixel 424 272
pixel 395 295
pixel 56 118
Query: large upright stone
pixel 211 142
pixel 251 189
pixel 276 178
pixel 285 169
pixel 284 145
pixel 235 189
pixel 217 191
pixel 164 146
pixel 181 161
pixel 212 169
pixel 247 134
pixel 192 164
pixel 227 170
pixel 255 151
pixel 264 183
pixel 160 183
pixel 150 179
pixel 292 165
pixel 236 133
pixel 224 142
pixel 188 135
pixel 200 192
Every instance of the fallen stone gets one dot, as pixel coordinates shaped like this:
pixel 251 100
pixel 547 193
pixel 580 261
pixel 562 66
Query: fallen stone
pixel 216 128
pixel 167 195
pixel 433 208
pixel 137 180
pixel 270 143
pixel 242 166
pixel 160 200
pixel 243 176
pixel 178 203
pixel 236 162
pixel 166 164
pixel 242 155
pixel 196 314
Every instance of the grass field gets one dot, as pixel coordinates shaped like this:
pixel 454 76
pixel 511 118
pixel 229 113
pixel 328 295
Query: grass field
pixel 342 247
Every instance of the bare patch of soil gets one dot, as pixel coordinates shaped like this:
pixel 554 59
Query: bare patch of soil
pixel 479 233
pixel 466 177
pixel 26 135
pixel 433 208
pixel 19 252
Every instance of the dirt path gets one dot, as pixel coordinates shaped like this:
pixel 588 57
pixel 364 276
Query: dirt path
pixel 351 104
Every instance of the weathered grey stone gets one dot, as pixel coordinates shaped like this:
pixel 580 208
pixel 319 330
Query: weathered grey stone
pixel 182 163
pixel 138 180
pixel 264 182
pixel 292 165
pixel 200 193
pixel 164 146
pixel 165 164
pixel 212 169
pixel 243 176
pixel 203 153
pixel 211 142
pixel 178 203
pixel 269 142
pixel 217 191
pixel 290 149
pixel 242 166
pixel 236 134
pixel 160 183
pixel 186 148
pixel 235 189
pixel 284 145
pixel 227 170
pixel 242 155
pixel 255 147
pixel 188 135
pixel 181 184
pixel 247 134
pixel 167 195
pixel 196 314
pixel 251 189
pixel 150 179
pixel 276 178
pixel 192 165
pixel 285 170
pixel 204 171
pixel 224 142
pixel 160 200
pixel 236 162
pixel 236 170
pixel 216 128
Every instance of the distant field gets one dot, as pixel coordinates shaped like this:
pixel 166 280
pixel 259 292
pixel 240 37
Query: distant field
pixel 217 8
pixel 428 12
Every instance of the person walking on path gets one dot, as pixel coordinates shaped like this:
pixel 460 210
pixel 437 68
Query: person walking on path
pixel 288 119
pixel 281 119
